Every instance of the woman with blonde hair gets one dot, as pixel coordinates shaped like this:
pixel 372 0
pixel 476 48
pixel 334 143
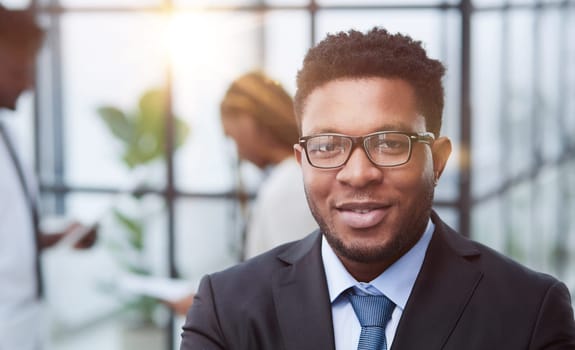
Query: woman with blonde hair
pixel 257 113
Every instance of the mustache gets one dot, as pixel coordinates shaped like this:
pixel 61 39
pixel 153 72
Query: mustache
pixel 360 195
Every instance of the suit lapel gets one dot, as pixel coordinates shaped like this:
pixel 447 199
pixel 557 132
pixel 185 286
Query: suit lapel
pixel 441 292
pixel 301 298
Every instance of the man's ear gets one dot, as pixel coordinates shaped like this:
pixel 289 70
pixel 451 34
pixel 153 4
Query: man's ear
pixel 441 149
pixel 298 152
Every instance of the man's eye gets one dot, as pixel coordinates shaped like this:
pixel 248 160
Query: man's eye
pixel 327 147
pixel 391 146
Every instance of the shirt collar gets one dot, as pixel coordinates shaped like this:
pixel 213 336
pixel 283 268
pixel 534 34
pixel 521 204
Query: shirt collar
pixel 396 282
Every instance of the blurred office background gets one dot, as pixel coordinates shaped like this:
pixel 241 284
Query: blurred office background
pixel 510 111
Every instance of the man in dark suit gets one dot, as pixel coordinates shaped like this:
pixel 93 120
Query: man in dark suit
pixel 383 271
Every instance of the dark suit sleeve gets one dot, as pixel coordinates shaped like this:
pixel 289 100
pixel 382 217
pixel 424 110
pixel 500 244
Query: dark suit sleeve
pixel 555 326
pixel 202 328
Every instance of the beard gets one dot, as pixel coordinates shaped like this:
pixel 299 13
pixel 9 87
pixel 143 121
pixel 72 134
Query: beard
pixel 404 237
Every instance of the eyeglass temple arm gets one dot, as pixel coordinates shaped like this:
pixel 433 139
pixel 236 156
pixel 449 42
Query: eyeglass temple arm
pixel 425 137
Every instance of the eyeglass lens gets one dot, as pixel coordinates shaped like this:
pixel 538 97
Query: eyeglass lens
pixel 384 149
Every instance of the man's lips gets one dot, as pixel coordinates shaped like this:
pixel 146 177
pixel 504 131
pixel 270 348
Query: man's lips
pixel 362 215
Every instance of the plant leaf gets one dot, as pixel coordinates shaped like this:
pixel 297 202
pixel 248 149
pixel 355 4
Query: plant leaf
pixel 117 123
pixel 144 132
pixel 134 228
pixel 182 132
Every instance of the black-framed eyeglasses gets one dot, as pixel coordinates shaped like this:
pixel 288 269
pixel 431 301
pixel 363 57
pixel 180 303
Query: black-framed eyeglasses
pixel 383 148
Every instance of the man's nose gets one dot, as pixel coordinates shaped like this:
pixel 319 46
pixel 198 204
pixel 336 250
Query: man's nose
pixel 359 171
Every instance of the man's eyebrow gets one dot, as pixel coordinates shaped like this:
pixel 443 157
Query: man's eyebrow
pixel 395 127
pixel 385 127
pixel 325 131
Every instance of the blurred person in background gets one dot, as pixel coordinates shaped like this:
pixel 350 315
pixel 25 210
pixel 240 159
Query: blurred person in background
pixel 257 113
pixel 21 241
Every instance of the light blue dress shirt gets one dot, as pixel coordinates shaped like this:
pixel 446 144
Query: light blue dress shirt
pixel 396 282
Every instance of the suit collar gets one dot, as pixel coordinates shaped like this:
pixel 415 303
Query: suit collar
pixel 301 297
pixel 441 292
pixel 460 245
pixel 302 248
pixel 396 282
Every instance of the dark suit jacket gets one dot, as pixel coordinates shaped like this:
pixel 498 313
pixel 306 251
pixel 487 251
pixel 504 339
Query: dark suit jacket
pixel 466 297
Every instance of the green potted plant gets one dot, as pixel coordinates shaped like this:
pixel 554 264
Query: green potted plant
pixel 142 139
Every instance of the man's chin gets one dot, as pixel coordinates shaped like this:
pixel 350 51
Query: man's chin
pixel 362 252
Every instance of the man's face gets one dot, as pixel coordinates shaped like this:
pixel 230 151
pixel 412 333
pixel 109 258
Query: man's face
pixel 369 214
pixel 16 75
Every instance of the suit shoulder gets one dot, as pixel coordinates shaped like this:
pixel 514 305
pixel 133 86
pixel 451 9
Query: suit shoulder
pixel 261 268
pixel 496 266
pixel 510 274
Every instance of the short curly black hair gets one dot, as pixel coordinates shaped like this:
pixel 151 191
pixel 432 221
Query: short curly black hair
pixel 377 53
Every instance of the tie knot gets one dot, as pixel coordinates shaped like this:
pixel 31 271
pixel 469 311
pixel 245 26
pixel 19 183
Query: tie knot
pixel 371 310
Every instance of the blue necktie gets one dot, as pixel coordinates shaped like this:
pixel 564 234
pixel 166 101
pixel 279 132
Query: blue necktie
pixel 373 312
